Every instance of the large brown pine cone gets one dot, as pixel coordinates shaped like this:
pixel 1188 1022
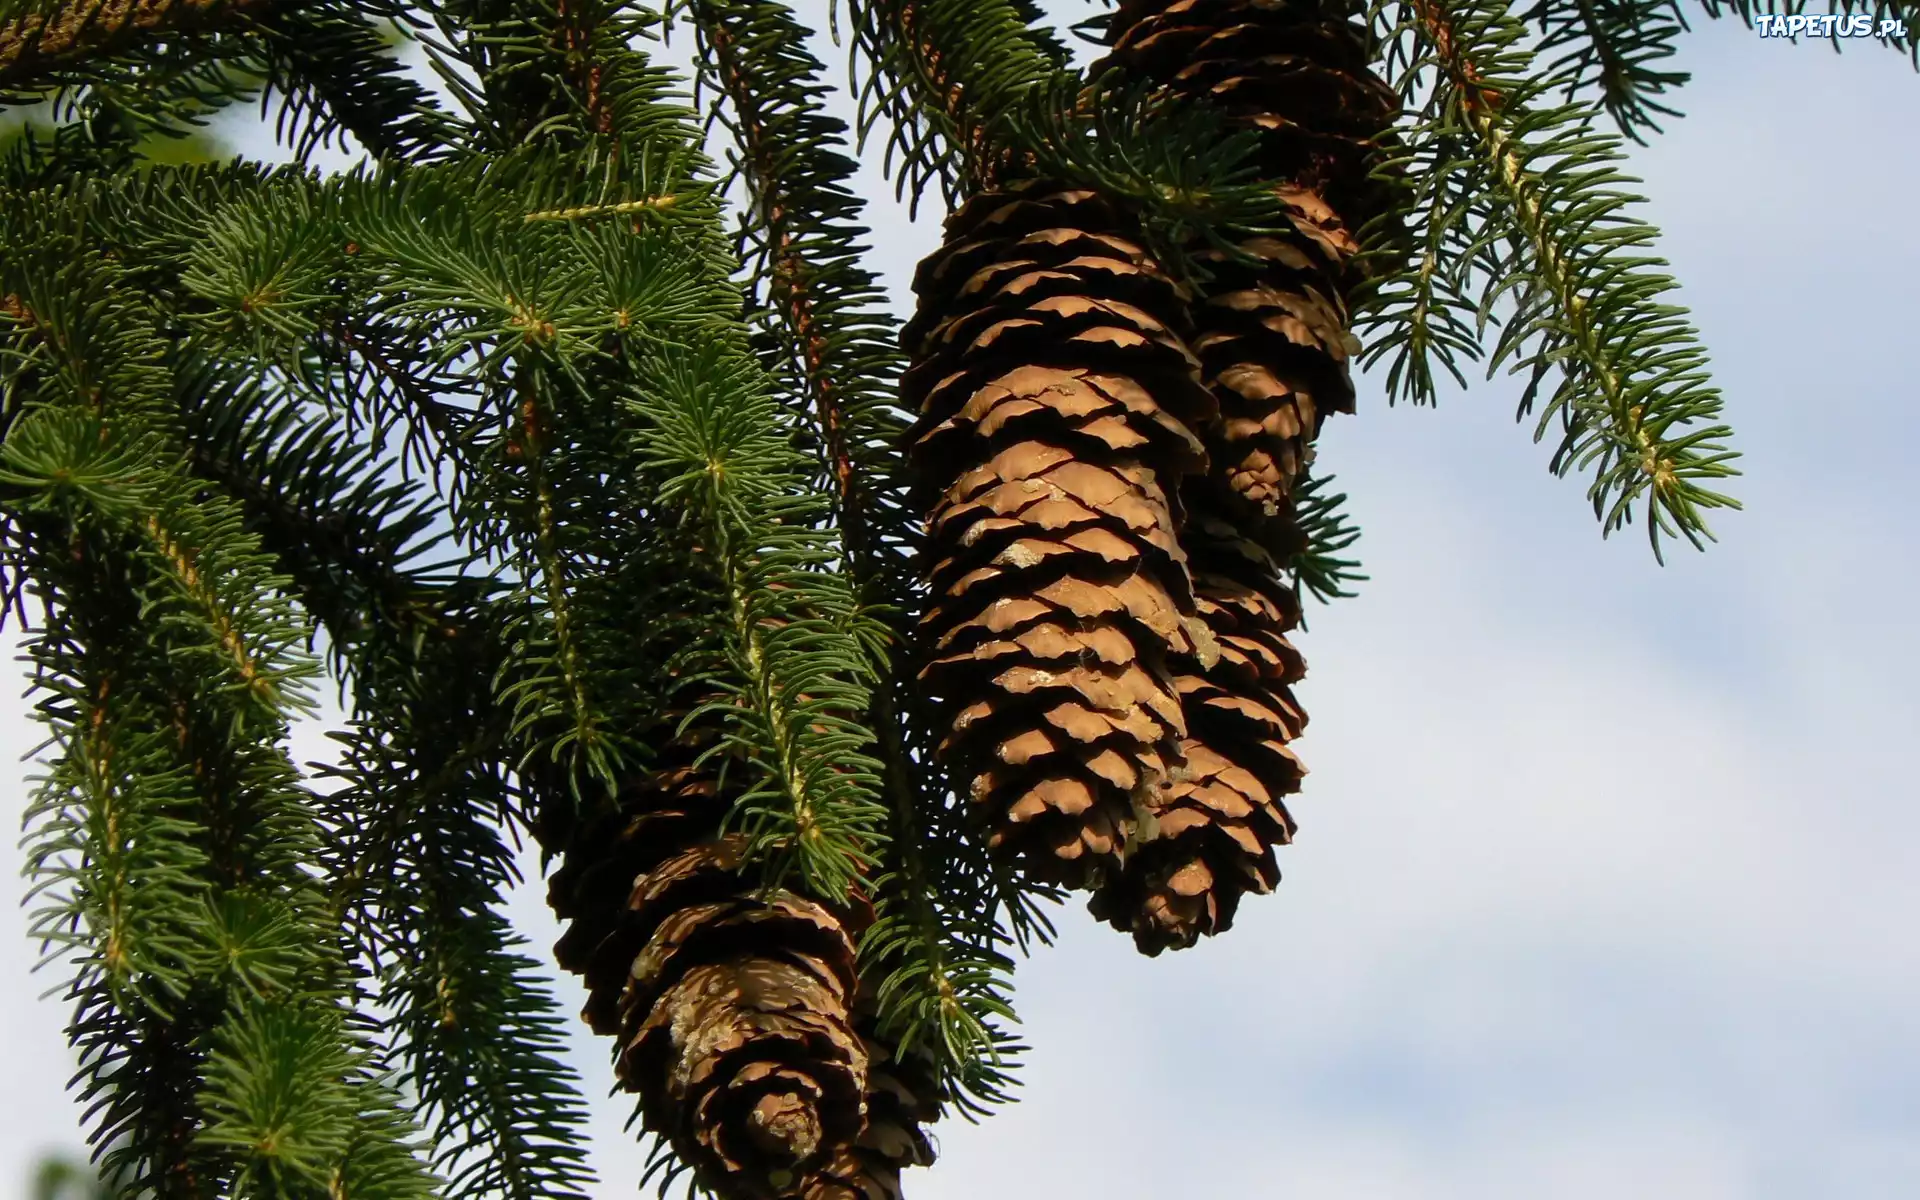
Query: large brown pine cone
pixel 732 1005
pixel 1058 403
pixel 1272 332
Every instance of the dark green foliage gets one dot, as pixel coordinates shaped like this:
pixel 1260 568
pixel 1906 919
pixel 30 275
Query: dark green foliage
pixel 573 385
pixel 1615 48
pixel 328 69
pixel 173 842
pixel 945 77
pixel 415 817
pixel 1520 220
pixel 1318 569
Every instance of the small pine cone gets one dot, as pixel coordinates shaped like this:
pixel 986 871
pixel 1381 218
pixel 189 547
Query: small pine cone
pixel 1057 404
pixel 1273 326
pixel 731 1004
pixel 1216 827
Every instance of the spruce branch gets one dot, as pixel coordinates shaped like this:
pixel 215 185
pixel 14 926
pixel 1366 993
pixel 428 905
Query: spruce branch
pixel 337 74
pixel 221 593
pixel 623 208
pixel 297 1102
pixel 799 674
pixel 414 850
pixel 354 541
pixel 802 229
pixel 943 75
pixel 195 810
pixel 1320 568
pixel 555 712
pixel 111 843
pixel 1612 49
pixel 1520 204
pixel 322 72
pixel 145 575
pixel 939 957
pixel 940 987
pixel 421 866
pixel 570 74
pixel 95 359
pixel 534 353
pixel 136 1071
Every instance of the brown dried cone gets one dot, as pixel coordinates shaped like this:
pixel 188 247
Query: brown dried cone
pixel 731 1004
pixel 1273 326
pixel 1057 405
pixel 902 1099
pixel 1220 821
pixel 1273 337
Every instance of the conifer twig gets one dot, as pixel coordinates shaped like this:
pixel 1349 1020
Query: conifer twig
pixel 1519 205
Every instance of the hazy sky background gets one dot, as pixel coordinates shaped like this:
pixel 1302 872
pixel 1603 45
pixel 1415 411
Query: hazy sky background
pixel 1606 878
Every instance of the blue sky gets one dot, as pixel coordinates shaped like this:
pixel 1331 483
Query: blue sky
pixel 1606 880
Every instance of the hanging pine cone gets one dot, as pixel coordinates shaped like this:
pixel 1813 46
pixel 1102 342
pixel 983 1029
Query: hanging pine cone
pixel 1221 819
pixel 1057 406
pixel 1273 328
pixel 1273 338
pixel 731 1004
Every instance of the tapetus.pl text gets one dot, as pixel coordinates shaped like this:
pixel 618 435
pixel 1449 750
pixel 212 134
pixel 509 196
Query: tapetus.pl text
pixel 1831 25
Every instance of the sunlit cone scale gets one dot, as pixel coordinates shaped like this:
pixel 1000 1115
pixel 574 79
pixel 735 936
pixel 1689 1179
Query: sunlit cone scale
pixel 1057 406
pixel 1272 332
pixel 732 1004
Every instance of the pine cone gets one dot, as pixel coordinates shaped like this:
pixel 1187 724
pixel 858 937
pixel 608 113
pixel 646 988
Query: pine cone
pixel 1274 342
pixel 731 1004
pixel 1057 407
pixel 1274 332
pixel 1217 827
